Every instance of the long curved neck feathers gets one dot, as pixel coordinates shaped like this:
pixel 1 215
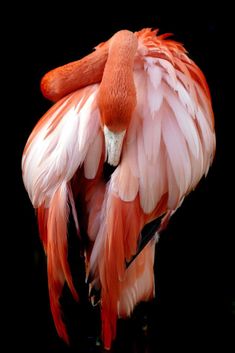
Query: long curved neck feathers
pixel 65 79
pixel 117 94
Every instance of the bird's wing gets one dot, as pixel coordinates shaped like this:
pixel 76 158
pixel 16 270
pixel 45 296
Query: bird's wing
pixel 169 146
pixel 171 140
pixel 67 137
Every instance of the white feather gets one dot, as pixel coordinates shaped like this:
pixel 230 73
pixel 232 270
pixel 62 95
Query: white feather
pixel 53 157
pixel 184 120
pixel 176 150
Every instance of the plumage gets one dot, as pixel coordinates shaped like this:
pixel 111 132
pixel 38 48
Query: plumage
pixel 144 88
pixel 57 264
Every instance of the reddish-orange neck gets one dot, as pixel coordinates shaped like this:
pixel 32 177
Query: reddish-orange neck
pixel 117 94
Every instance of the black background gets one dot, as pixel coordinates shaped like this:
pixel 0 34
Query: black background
pixel 193 263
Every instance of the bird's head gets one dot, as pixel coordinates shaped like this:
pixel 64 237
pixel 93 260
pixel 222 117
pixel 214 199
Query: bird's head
pixel 117 93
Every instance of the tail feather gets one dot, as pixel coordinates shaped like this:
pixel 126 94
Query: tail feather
pixel 109 326
pixel 55 285
pixel 57 231
pixel 121 288
pixel 53 229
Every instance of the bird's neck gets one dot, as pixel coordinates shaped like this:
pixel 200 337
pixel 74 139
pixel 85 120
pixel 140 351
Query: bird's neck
pixel 117 94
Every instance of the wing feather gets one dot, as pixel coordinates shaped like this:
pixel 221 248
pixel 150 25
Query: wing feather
pixel 59 146
pixel 67 137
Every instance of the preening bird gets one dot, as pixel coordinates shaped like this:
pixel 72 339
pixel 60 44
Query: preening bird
pixel 140 104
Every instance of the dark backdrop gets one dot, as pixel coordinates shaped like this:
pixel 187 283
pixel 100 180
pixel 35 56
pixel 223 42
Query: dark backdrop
pixel 193 259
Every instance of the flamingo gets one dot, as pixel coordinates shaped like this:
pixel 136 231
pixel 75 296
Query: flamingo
pixel 141 105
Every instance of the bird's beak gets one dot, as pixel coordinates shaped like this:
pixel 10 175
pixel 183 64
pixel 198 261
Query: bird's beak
pixel 113 145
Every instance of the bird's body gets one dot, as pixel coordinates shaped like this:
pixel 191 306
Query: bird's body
pixel 141 104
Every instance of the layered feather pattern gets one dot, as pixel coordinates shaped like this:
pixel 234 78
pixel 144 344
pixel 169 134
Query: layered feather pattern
pixel 168 147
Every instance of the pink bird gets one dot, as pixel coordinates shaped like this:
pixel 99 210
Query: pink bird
pixel 140 104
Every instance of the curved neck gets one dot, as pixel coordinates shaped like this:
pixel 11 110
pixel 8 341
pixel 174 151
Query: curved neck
pixel 117 95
